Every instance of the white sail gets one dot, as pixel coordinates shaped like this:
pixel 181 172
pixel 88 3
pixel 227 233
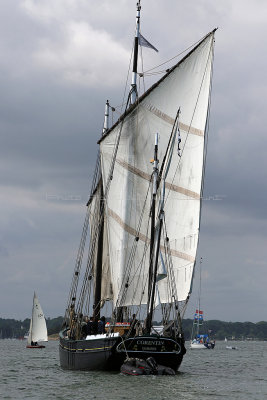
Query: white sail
pixel 186 86
pixel 38 324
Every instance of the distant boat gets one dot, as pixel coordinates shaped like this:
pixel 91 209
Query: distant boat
pixel 225 339
pixel 200 340
pixel 38 329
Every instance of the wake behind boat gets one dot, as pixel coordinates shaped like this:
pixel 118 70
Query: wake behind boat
pixel 143 215
pixel 38 329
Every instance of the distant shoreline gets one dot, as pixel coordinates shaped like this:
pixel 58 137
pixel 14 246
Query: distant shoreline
pixel 219 330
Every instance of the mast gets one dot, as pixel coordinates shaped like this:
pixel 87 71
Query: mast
pixel 199 295
pixel 156 230
pixel 99 257
pixel 154 280
pixel 151 292
pixel 152 216
pixel 106 119
pixel 133 90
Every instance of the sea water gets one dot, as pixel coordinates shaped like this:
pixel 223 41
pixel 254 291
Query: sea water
pixel 204 374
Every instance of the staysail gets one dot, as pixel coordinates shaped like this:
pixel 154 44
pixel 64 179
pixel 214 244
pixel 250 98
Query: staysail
pixel 38 331
pixel 185 86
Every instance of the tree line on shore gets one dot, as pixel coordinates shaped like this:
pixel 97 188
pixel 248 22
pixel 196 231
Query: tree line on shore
pixel 14 329
pixel 219 330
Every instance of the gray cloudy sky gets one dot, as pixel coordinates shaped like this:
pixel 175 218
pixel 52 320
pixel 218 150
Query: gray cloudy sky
pixel 60 61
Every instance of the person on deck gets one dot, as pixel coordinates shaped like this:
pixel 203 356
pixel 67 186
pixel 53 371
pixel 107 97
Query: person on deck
pixel 138 328
pixel 94 326
pixel 89 326
pixel 84 327
pixel 101 325
pixel 133 323
pixel 72 320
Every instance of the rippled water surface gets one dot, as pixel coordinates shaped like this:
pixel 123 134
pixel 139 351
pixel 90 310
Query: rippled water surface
pixel 204 374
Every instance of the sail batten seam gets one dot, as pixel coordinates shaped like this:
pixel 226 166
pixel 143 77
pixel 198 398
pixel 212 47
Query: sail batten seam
pixel 170 120
pixel 145 239
pixel 170 186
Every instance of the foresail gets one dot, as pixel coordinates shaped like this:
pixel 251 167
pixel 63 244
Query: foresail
pixel 186 86
pixel 39 330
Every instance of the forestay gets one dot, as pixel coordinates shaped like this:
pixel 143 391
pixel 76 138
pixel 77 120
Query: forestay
pixel 186 85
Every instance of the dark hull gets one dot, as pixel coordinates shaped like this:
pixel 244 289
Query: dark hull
pixel 35 347
pixel 85 354
pixel 110 354
pixel 166 351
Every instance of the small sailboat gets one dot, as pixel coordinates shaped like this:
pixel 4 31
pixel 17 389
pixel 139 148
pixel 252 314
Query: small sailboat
pixel 143 219
pixel 38 329
pixel 200 340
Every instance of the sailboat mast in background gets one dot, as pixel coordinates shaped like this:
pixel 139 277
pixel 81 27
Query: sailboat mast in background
pixel 200 340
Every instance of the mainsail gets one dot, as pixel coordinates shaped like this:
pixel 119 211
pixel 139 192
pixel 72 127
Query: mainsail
pixel 127 203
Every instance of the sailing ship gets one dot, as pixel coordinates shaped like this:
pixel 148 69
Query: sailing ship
pixel 200 340
pixel 143 219
pixel 38 329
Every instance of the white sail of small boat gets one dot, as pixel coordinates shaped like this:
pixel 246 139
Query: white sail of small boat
pixel 38 329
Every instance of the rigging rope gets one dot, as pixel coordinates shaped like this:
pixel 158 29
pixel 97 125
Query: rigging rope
pixel 170 59
pixel 121 297
pixel 190 125
pixel 79 258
